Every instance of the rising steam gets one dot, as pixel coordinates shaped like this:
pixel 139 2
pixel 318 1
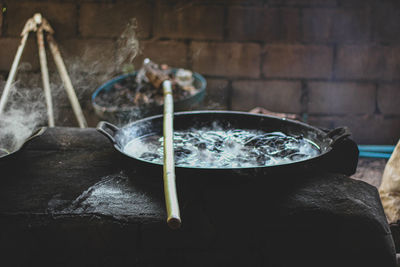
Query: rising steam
pixel 26 108
pixel 25 112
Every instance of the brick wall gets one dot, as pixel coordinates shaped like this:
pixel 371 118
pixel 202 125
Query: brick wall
pixel 334 62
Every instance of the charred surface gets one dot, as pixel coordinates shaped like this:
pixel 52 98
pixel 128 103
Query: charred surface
pixel 67 199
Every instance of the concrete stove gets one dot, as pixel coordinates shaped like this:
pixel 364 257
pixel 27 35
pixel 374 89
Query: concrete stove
pixel 68 200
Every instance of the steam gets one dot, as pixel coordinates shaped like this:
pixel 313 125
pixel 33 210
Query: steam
pixel 218 147
pixel 94 66
pixel 26 108
pixel 127 47
pixel 25 112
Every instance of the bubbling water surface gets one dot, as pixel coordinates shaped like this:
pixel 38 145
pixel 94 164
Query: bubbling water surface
pixel 219 148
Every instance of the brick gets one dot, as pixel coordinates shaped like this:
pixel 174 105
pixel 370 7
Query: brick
pixel 278 96
pixel 61 16
pixel 368 62
pixel 1 19
pixel 29 79
pixel 189 21
pixel 109 19
pixel 232 2
pixel 65 117
pixel 336 25
pixel 355 3
pixel 341 98
pixel 8 49
pixel 169 52
pixel 386 21
pixel 303 2
pixel 365 129
pixel 216 94
pixel 389 99
pixel 297 61
pixel 264 24
pixel 226 59
pixel 90 55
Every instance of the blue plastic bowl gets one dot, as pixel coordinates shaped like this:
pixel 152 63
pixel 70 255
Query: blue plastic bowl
pixel 122 115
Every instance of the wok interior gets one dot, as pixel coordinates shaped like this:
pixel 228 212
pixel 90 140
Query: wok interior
pixel 226 120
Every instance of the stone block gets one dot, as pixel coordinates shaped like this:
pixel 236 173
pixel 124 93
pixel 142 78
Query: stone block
pixel 368 62
pixel 62 17
pixel 389 99
pixel 1 19
pixel 69 241
pixel 341 98
pixel 303 3
pixel 217 94
pixel 172 53
pixel 90 55
pixel 336 25
pixel 65 116
pixel 110 19
pixel 278 96
pixel 226 59
pixel 264 24
pixel 235 2
pixel 355 3
pixel 8 49
pixel 373 129
pixel 189 21
pixel 386 20
pixel 298 61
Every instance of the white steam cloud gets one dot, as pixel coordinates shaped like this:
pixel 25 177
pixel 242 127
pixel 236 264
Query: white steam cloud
pixel 25 111
pixel 26 108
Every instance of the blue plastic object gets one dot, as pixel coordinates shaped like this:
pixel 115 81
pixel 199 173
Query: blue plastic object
pixel 376 148
pixel 122 115
pixel 380 155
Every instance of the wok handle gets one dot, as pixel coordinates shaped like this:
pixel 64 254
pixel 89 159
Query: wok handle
pixel 36 133
pixel 108 130
pixel 338 134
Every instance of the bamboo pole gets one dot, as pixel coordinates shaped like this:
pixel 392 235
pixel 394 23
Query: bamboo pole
pixel 171 199
pixel 45 76
pixel 66 81
pixel 30 25
pixel 13 71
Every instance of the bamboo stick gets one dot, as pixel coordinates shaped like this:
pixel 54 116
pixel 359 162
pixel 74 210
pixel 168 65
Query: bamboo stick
pixel 67 82
pixel 13 71
pixel 30 25
pixel 45 76
pixel 171 199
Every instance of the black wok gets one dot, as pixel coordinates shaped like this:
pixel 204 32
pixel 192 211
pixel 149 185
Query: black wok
pixel 6 155
pixel 228 119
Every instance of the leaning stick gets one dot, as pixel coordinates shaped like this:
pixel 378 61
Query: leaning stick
pixel 171 199
pixel 45 76
pixel 25 32
pixel 67 81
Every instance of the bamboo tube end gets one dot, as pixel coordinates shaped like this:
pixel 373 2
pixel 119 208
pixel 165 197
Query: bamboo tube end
pixel 174 223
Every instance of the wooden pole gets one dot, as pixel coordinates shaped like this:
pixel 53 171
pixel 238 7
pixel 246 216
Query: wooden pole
pixel 30 25
pixel 45 76
pixel 13 71
pixel 66 81
pixel 171 199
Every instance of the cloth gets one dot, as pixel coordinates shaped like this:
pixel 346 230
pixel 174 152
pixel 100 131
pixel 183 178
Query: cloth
pixel 389 190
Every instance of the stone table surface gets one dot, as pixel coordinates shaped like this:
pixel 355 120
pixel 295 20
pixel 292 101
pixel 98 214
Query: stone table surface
pixel 370 170
pixel 66 199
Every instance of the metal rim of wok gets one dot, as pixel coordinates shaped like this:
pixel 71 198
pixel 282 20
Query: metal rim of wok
pixel 179 104
pixel 36 133
pixel 324 140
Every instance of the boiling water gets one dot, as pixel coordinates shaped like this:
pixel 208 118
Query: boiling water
pixel 211 148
